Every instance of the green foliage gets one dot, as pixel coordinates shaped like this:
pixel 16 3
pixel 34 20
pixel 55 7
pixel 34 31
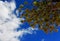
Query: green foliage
pixel 25 2
pixel 21 6
pixel 46 15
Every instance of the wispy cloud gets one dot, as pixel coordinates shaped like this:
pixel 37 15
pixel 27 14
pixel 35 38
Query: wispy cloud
pixel 9 22
pixel 43 40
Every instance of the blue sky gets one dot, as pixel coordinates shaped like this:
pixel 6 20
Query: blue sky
pixel 38 35
pixel 54 36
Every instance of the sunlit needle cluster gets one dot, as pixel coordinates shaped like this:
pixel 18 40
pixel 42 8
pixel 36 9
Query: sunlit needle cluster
pixel 46 14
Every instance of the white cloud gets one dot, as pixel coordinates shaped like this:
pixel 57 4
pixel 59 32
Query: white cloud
pixel 9 22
